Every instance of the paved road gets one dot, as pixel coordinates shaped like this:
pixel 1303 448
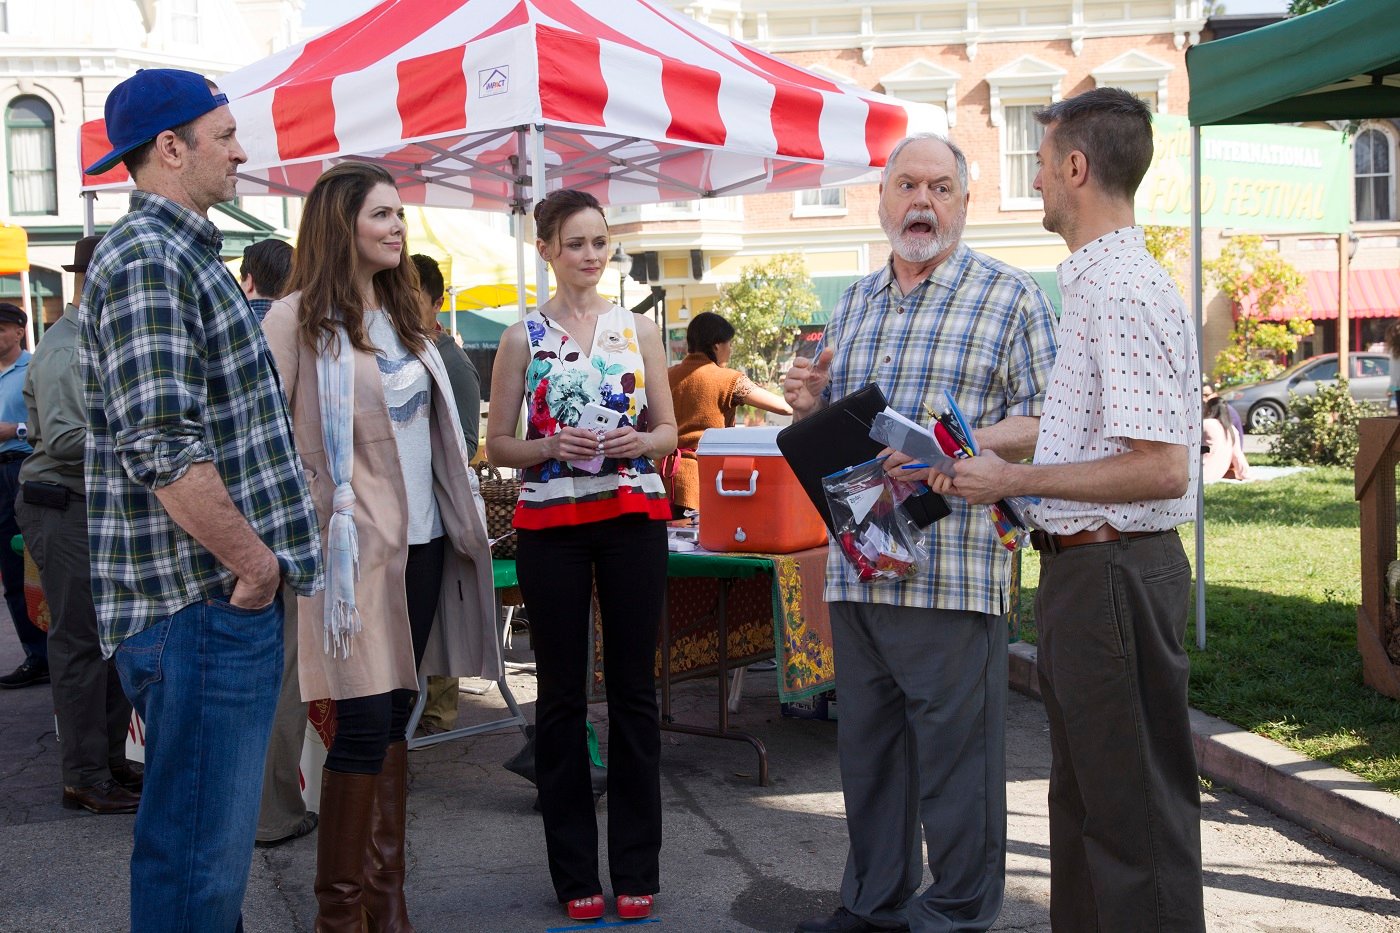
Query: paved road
pixel 737 857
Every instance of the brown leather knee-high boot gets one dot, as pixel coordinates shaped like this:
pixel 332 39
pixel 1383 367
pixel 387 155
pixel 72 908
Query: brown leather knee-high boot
pixel 347 804
pixel 385 907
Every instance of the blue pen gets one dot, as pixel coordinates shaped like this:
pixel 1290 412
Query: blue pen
pixel 914 466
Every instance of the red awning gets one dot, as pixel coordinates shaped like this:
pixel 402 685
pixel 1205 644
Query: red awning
pixel 1370 293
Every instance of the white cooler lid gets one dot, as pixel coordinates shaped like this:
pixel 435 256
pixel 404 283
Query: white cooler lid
pixel 739 442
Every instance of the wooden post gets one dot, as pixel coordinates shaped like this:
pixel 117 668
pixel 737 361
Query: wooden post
pixel 1375 489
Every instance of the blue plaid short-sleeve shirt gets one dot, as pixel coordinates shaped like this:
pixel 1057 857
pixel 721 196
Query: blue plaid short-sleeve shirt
pixel 981 330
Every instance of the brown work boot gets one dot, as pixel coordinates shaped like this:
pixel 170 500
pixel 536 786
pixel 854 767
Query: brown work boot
pixel 346 803
pixel 385 907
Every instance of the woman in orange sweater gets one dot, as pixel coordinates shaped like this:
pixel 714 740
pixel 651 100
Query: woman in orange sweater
pixel 706 393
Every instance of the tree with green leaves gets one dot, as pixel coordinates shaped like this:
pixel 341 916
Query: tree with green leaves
pixel 1246 268
pixel 1171 247
pixel 766 305
pixel 1299 7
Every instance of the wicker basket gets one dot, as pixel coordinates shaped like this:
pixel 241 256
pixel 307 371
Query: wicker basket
pixel 499 494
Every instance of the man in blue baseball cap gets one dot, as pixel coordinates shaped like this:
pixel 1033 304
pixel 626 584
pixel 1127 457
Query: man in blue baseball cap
pixel 198 509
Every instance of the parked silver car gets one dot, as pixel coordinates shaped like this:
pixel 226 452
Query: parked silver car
pixel 1261 405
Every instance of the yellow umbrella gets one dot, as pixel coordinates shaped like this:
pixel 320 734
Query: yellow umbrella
pixel 14 257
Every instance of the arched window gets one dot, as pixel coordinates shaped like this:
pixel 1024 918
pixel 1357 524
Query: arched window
pixel 30 152
pixel 1373 156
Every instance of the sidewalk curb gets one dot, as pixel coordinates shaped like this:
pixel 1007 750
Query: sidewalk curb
pixel 1350 812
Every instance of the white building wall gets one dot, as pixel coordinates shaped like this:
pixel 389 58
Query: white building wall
pixel 71 53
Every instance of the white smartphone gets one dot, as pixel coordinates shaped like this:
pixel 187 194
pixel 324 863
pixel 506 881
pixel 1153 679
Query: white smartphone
pixel 594 417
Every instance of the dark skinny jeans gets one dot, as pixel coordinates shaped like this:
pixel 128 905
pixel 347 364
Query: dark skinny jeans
pixel 365 726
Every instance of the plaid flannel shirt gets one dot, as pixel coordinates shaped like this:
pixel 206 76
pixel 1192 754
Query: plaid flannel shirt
pixel 175 372
pixel 985 332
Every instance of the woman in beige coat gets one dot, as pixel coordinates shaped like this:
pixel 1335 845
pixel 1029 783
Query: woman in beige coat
pixel 408 563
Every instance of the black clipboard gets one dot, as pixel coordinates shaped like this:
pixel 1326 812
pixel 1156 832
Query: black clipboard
pixel 837 437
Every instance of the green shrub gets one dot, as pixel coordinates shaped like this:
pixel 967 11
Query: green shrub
pixel 1321 429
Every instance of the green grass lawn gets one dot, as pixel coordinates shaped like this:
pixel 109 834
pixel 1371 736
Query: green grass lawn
pixel 1283 584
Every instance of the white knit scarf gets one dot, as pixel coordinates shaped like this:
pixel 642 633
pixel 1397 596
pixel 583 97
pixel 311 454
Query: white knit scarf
pixel 335 384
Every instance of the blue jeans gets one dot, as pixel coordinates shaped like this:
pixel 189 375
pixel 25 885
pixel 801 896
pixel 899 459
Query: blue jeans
pixel 205 681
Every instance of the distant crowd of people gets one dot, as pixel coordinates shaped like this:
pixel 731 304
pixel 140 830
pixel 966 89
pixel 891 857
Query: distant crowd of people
pixel 242 499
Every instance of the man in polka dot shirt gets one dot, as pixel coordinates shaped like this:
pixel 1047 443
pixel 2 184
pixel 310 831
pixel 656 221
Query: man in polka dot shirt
pixel 1115 467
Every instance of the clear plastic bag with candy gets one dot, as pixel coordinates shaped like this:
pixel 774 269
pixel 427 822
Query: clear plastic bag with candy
pixel 879 541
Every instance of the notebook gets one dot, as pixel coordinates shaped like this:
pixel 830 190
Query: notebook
pixel 837 437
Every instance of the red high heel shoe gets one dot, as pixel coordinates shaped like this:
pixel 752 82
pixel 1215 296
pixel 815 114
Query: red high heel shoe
pixel 585 908
pixel 634 907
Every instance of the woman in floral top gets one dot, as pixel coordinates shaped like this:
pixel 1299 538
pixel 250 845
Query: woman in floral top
pixel 592 509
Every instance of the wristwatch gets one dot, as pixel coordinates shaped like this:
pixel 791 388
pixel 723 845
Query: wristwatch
pixel 21 430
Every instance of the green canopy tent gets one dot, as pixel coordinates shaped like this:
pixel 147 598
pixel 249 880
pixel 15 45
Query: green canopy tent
pixel 1341 62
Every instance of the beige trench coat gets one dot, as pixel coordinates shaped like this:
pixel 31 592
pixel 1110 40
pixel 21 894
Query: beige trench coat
pixel 463 641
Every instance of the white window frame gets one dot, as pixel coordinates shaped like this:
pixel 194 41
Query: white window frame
pixel 924 82
pixel 811 202
pixel 184 21
pixel 1032 201
pixel 45 149
pixel 1026 81
pixel 1388 134
pixel 1136 73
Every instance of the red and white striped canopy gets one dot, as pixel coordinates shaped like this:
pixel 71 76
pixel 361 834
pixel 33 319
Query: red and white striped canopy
pixel 630 100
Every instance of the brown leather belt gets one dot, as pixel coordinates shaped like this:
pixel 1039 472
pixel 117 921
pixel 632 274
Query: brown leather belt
pixel 1045 542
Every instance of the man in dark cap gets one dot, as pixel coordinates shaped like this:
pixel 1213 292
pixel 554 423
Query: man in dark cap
pixel 14 447
pixel 198 509
pixel 91 710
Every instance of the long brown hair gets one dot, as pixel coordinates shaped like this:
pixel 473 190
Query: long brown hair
pixel 327 262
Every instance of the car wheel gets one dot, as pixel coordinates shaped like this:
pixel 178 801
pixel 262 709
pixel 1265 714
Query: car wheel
pixel 1264 417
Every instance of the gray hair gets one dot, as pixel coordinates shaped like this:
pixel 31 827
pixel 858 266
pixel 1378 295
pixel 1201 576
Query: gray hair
pixel 958 156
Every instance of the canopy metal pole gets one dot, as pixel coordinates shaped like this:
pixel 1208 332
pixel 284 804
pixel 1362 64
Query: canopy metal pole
pixel 24 299
pixel 89 213
pixel 521 211
pixel 1198 308
pixel 537 166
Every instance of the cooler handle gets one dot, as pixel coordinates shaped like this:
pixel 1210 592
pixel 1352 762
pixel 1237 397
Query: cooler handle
pixel 738 465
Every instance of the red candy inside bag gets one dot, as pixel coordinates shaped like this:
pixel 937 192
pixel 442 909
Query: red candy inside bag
pixel 879 541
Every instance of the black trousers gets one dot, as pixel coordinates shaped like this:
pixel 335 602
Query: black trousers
pixel 557 569
pixel 92 711
pixel 1125 804
pixel 32 639
pixel 365 726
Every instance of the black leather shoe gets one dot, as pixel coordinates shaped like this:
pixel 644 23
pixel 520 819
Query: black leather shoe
pixel 28 674
pixel 841 921
pixel 129 774
pixel 105 797
pixel 306 825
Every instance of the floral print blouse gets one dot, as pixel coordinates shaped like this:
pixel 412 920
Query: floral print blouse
pixel 560 380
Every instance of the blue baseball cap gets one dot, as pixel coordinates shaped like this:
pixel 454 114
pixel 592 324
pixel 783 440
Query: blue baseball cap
pixel 147 104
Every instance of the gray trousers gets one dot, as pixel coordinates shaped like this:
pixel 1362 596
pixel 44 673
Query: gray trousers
pixel 920 740
pixel 282 806
pixel 1125 805
pixel 92 711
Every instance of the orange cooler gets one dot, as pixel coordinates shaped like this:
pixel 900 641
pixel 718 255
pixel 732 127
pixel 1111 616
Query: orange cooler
pixel 749 498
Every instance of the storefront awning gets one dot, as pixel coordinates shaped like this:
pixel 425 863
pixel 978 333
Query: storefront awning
pixel 1370 293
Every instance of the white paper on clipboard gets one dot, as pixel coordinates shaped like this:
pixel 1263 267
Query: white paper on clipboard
pixel 911 439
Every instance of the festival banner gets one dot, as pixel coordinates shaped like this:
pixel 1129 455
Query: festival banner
pixel 1256 179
